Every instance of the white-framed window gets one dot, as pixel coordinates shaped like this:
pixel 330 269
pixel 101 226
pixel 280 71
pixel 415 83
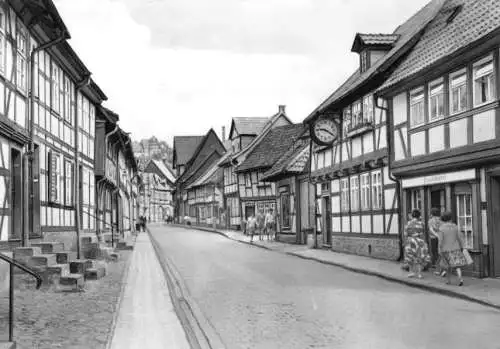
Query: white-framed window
pixel 355 193
pixel 22 50
pixel 417 116
pixel 365 191
pixel 436 100
pixel 368 109
pixel 377 190
pixel 68 185
pixel 67 99
pixel 464 218
pixel 357 117
pixel 2 40
pixel 344 194
pixel 415 200
pixel 484 83
pixel 55 88
pixel 458 91
pixel 248 180
pixel 346 121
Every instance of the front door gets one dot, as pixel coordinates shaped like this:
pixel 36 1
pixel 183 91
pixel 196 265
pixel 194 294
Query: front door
pixel 16 194
pixel 326 220
pixel 249 211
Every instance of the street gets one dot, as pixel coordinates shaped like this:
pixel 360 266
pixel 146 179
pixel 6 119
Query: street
pixel 257 298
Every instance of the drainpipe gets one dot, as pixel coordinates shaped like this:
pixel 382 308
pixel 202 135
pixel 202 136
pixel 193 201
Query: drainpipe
pixel 76 179
pixel 309 195
pixel 389 162
pixel 28 160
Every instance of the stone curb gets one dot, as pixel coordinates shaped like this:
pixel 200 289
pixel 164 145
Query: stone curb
pixel 119 303
pixel 387 277
pixel 199 333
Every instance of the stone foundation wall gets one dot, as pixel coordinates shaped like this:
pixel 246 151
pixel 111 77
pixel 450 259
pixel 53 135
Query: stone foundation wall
pixel 377 247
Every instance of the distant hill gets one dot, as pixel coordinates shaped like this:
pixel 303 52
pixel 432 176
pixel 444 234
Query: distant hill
pixel 152 149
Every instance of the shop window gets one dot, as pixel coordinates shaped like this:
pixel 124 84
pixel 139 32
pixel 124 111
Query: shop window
pixel 483 81
pixel 365 191
pixel 344 194
pixel 464 218
pixel 417 107
pixel 354 193
pixel 436 100
pixel 377 190
pixel 458 92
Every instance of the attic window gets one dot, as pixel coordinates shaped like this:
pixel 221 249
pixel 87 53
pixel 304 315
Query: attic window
pixel 454 12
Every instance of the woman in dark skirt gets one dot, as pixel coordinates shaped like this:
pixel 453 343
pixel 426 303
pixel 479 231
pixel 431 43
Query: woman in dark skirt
pixel 451 247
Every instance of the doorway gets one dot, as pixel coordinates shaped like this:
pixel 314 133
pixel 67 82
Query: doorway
pixel 438 198
pixel 249 211
pixel 326 217
pixel 495 232
pixel 16 194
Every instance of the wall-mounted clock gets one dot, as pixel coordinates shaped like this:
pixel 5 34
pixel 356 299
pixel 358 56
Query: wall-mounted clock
pixel 324 131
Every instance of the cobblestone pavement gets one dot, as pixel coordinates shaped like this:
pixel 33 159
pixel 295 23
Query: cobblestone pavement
pixel 49 319
pixel 147 318
pixel 257 298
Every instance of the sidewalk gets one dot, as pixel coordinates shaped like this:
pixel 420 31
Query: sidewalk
pixel 146 317
pixel 482 291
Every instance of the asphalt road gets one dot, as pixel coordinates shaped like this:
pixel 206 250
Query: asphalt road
pixel 257 298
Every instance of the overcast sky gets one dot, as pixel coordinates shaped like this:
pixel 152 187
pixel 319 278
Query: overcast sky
pixel 180 67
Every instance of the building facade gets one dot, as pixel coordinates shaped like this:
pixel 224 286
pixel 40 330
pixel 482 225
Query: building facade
pixel 445 119
pixel 158 184
pixel 356 196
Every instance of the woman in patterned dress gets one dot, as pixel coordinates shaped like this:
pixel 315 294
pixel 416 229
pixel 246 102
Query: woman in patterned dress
pixel 416 249
pixel 451 245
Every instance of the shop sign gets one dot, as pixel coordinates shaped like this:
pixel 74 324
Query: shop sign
pixel 439 178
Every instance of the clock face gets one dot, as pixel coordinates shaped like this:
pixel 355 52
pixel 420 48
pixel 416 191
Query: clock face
pixel 325 131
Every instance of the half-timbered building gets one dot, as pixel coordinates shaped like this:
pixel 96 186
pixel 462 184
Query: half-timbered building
pixel 47 95
pixel 183 150
pixel 356 196
pixel 295 194
pixel 255 194
pixel 158 183
pixel 245 134
pixel 445 125
pixel 208 152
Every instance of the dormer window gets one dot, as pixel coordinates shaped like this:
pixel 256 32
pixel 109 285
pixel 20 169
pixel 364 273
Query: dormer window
pixel 372 47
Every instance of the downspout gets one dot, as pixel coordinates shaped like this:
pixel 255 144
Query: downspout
pixel 76 185
pixel 28 161
pixel 309 195
pixel 389 162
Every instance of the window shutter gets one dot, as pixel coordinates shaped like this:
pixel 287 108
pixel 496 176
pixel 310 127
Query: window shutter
pixel 36 191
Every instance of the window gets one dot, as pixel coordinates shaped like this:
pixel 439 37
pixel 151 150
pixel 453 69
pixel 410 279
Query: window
pixel 377 190
pixel 55 88
pixel 54 174
pixel 67 100
pixel 483 82
pixel 68 183
pixel 365 191
pixel 22 49
pixel 248 180
pixel 2 40
pixel 354 193
pixel 464 218
pixel 368 109
pixel 344 194
pixel 417 107
pixel 347 120
pixel 436 100
pixel 415 200
pixel 364 61
pixel 458 92
pixel 357 117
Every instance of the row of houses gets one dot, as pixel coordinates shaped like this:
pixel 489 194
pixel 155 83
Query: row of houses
pixel 417 125
pixel 67 169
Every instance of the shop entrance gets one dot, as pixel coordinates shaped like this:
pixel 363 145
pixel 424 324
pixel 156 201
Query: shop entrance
pixel 438 198
pixel 495 233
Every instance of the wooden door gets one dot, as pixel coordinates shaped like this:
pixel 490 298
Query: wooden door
pixel 494 206
pixel 326 220
pixel 16 195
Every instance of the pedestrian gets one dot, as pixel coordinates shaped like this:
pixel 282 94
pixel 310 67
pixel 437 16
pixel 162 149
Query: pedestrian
pixel 260 224
pixel 251 226
pixel 434 224
pixel 451 246
pixel 269 222
pixel 416 250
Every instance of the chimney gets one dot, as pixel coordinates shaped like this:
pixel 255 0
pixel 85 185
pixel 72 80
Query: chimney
pixel 223 133
pixel 282 109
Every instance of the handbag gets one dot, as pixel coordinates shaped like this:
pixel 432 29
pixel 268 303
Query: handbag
pixel 467 256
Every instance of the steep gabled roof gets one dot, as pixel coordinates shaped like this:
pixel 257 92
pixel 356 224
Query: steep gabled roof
pixel 294 161
pixel 408 33
pixel 272 147
pixel 165 171
pixel 184 148
pixel 250 126
pixel 213 175
pixel 458 24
